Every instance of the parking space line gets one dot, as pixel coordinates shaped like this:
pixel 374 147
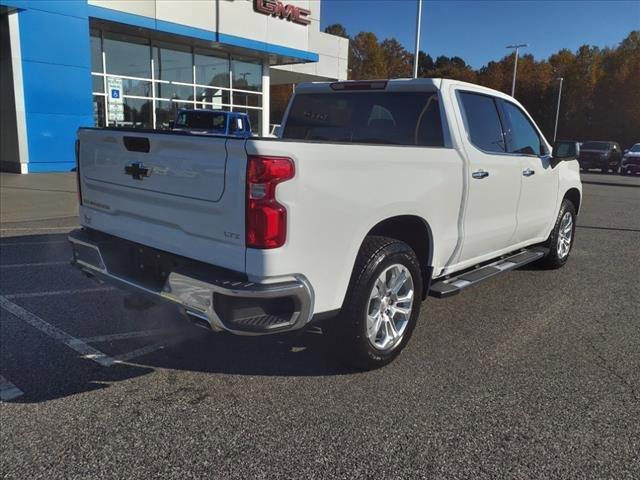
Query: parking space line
pixel 87 351
pixel 26 265
pixel 57 292
pixel 124 357
pixel 8 391
pixel 128 335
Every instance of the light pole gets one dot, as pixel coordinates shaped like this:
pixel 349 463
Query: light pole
pixel 515 65
pixel 555 130
pixel 416 56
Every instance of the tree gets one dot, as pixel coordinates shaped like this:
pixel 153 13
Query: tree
pixel 337 29
pixel 397 59
pixel 425 64
pixel 454 68
pixel 368 60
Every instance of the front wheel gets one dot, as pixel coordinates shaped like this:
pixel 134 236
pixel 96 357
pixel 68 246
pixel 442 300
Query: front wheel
pixel 561 239
pixel 382 304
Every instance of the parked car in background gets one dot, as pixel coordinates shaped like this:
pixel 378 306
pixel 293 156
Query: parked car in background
pixel 631 160
pixel 605 156
pixel 212 122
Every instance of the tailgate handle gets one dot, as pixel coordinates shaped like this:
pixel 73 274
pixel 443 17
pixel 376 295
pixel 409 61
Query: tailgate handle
pixel 136 144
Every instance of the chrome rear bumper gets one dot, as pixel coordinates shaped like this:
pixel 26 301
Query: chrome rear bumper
pixel 225 302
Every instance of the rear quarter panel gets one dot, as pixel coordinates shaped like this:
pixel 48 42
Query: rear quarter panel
pixel 340 192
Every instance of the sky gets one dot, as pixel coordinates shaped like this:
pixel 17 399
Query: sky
pixel 479 30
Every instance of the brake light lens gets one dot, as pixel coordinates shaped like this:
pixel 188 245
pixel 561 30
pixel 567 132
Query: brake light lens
pixel 359 85
pixel 266 219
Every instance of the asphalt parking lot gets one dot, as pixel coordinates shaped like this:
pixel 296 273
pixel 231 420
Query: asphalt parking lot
pixel 534 374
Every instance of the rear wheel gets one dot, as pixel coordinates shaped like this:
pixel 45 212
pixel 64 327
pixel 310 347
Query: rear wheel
pixel 382 304
pixel 561 239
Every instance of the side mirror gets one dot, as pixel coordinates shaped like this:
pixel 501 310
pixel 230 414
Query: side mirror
pixel 171 123
pixel 564 150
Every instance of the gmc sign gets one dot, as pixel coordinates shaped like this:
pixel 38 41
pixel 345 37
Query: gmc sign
pixel 276 8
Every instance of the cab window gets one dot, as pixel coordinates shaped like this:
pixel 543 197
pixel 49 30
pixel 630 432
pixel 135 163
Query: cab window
pixel 482 121
pixel 522 137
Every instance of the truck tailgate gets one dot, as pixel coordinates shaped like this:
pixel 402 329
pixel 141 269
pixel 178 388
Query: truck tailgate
pixel 175 192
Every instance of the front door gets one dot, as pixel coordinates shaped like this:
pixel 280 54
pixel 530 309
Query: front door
pixel 538 196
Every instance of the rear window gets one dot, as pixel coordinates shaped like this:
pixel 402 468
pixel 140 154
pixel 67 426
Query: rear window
pixel 595 146
pixel 392 118
pixel 202 121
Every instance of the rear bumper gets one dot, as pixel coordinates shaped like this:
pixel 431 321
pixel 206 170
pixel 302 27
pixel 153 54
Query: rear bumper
pixel 225 300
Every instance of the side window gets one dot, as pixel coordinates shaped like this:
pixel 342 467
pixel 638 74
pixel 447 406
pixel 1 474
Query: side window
pixel 483 122
pixel 232 124
pixel 522 137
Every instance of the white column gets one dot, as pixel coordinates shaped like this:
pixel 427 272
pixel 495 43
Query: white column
pixel 266 103
pixel 18 90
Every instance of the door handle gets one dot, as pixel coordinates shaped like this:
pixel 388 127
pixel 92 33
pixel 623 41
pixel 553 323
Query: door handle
pixel 480 174
pixel 528 172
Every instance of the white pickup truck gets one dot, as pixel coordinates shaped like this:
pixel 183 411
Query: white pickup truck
pixel 376 195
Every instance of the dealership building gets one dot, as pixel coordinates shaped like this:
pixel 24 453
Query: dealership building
pixel 67 64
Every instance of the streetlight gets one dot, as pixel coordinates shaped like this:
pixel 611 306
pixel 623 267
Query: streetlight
pixel 555 130
pixel 515 65
pixel 416 56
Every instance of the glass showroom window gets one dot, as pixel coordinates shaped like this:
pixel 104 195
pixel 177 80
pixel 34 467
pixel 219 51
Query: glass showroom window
pixel 212 79
pixel 159 78
pixel 247 90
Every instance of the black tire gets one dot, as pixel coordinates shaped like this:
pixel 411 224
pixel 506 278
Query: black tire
pixel 604 170
pixel 347 331
pixel 553 259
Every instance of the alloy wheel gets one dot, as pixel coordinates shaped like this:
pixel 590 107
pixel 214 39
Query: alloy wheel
pixel 565 235
pixel 390 307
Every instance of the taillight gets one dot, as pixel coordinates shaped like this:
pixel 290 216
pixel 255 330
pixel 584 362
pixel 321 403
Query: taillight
pixel 266 218
pixel 78 171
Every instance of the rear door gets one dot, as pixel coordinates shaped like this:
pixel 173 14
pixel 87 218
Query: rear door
pixel 493 179
pixel 539 192
pixel 176 192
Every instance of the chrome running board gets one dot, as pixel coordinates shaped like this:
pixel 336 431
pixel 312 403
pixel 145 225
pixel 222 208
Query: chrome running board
pixel 452 285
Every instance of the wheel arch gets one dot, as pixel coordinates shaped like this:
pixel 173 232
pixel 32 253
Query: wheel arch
pixel 573 195
pixel 416 232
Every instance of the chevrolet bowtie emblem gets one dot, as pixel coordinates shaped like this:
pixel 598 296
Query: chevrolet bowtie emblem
pixel 137 171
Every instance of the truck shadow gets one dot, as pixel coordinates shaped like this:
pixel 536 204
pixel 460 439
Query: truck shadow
pixel 43 368
pixel 302 354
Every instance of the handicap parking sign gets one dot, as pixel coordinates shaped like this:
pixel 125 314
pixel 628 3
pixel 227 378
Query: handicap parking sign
pixel 115 93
